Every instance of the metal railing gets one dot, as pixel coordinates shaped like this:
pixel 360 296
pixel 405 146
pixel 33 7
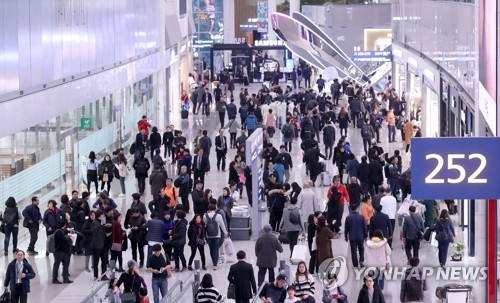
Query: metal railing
pixel 257 299
pixel 187 294
pixel 173 292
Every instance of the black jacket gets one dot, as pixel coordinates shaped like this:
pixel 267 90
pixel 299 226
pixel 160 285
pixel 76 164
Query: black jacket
pixel 158 206
pixel 219 148
pixel 378 297
pixel 380 221
pixel 205 165
pixel 363 173
pixel 376 176
pixel 87 232
pixel 179 233
pixel 198 205
pixel 11 276
pixel 98 235
pixel 78 217
pixel 154 140
pixel 205 143
pixel 193 232
pixel 242 276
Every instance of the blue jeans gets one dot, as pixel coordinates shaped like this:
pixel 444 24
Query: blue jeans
pixel 160 285
pixel 214 244
pixel 122 184
pixel 392 133
pixel 8 231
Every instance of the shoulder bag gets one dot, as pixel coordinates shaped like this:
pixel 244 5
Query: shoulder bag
pixel 420 234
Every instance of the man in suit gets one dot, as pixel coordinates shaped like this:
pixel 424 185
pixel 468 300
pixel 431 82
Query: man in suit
pixel 141 141
pixel 242 276
pixel 221 150
pixel 381 221
pixel 205 143
pixel 200 166
pixel 356 232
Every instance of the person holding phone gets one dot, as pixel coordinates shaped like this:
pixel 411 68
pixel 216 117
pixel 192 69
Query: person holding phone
pixel 334 293
pixel 17 278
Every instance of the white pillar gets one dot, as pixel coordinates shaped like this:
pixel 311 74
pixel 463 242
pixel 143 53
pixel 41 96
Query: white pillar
pixel 294 6
pixel 229 10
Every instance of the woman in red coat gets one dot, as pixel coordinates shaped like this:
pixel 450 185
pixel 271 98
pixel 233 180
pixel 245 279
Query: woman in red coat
pixel 117 238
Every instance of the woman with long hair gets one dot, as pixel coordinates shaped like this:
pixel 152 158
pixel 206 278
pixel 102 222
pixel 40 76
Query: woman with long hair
pixel 207 292
pixel 208 197
pixel 312 222
pixel 122 172
pixel 445 234
pixel 233 173
pixel 343 121
pixel 178 240
pixel 323 237
pixel 106 172
pixel 11 217
pixel 87 232
pixel 196 240
pixel 303 282
pixel 225 203
pixel 92 166
pixel 117 240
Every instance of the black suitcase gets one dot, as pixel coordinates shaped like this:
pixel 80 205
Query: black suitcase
pixel 184 114
pixel 360 122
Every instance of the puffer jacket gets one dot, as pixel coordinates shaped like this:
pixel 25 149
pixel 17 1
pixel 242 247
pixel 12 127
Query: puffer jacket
pixel 377 252
pixel 286 225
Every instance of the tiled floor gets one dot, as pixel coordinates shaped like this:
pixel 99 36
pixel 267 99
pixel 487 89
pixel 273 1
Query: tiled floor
pixel 43 291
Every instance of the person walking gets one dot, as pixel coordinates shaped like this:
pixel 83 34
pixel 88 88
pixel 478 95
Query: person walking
pixel 391 125
pixel 241 275
pixel 307 202
pixel 32 220
pixel 389 207
pixel 445 233
pixel 377 255
pixel 266 248
pixel 131 280
pixel 413 283
pixel 369 293
pixel 158 265
pixel 62 254
pixel 136 235
pixel 381 221
pixel 207 293
pixel 184 183
pixel 10 218
pixel 157 180
pixel 17 278
pixel 413 229
pixel 304 283
pixel 141 166
pixel 196 240
pixel 323 244
pixel 99 246
pixel 355 233
pixel 91 167
pixel 225 203
pixel 292 224
pixel 87 232
pixel 117 241
pixel 214 224
pixel 106 172
pixel 221 150
pixel 201 166
pixel 178 240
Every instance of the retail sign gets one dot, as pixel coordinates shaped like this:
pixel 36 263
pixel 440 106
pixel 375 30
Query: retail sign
pixel 269 43
pixel 372 56
pixel 455 168
pixel 86 123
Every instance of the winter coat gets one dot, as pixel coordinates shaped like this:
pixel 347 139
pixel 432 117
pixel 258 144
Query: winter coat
pixel 266 248
pixel 179 233
pixel 11 276
pixel 323 244
pixel 286 225
pixel 377 252
pixel 51 219
pixel 378 296
pixel 308 203
pixel 195 232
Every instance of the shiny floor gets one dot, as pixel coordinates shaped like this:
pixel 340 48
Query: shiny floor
pixel 43 291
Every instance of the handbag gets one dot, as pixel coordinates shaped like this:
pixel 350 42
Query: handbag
pixel 200 241
pixel 128 297
pixel 2 228
pixel 231 292
pixel 5 298
pixel 105 177
pixel 441 235
pixel 116 247
pixel 420 234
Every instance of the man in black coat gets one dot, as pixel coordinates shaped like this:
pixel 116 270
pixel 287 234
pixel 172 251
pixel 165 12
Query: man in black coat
pixel 381 221
pixel 221 150
pixel 376 177
pixel 242 276
pixel 201 166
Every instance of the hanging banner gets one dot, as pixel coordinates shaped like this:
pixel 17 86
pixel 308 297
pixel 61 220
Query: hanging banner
pixel 262 10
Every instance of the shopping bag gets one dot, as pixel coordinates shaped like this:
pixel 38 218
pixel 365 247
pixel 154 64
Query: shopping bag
pixel 434 242
pixel 299 252
pixel 229 247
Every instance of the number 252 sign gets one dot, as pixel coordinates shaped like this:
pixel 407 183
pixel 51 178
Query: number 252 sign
pixel 455 168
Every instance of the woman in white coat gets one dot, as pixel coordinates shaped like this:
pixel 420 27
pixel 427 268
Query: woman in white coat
pixel 307 202
pixel 377 254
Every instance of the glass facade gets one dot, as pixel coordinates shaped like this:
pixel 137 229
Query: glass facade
pixel 45 159
pixel 208 16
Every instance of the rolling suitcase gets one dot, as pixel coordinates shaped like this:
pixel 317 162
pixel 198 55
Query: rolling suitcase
pixel 299 252
pixel 360 122
pixel 184 114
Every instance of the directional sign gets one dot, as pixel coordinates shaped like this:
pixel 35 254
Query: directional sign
pixel 86 123
pixel 455 168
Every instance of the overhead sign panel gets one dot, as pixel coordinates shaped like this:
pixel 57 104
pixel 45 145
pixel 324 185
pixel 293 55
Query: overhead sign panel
pixel 455 168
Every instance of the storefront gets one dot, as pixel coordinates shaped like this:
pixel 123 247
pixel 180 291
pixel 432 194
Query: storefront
pixel 51 156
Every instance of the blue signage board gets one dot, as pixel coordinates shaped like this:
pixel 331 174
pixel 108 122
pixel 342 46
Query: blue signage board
pixel 455 168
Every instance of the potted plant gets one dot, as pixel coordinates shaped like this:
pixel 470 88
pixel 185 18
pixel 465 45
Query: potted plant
pixel 458 252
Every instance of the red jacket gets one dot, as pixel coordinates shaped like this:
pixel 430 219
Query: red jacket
pixel 117 235
pixel 145 124
pixel 343 191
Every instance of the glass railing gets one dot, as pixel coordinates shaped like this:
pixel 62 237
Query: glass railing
pixel 187 293
pixel 173 292
pixel 257 299
pixel 98 293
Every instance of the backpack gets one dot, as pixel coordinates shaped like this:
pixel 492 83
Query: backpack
pixel 365 132
pixel 414 287
pixel 294 217
pixel 10 217
pixel 212 227
pixel 328 133
pixel 288 131
pixel 307 131
pixel 51 242
pixel 142 167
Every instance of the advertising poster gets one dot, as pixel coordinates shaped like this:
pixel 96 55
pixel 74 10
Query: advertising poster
pixel 208 16
pixel 262 10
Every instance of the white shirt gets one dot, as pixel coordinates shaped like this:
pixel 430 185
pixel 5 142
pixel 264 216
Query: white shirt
pixel 389 206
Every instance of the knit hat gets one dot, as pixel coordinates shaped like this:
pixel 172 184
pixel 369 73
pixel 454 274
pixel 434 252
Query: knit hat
pixel 131 264
pixel 267 228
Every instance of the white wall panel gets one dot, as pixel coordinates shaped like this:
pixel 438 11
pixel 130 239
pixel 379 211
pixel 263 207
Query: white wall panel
pixel 44 41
